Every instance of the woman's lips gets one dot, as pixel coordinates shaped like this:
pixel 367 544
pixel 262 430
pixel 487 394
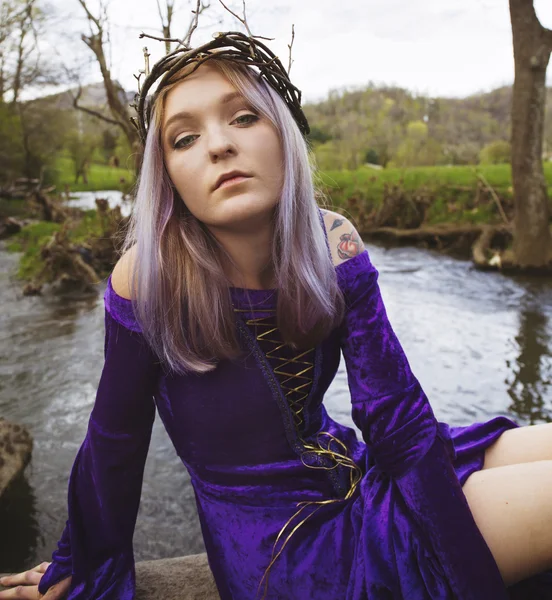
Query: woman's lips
pixel 233 181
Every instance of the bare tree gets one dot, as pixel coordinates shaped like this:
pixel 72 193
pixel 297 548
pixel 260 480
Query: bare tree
pixel 532 48
pixel 96 40
pixel 166 24
pixel 22 64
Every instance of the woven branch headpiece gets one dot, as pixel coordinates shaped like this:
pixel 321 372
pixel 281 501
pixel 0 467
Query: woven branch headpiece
pixel 231 45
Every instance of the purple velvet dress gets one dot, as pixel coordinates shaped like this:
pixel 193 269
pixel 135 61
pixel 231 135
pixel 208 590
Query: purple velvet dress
pixel 278 482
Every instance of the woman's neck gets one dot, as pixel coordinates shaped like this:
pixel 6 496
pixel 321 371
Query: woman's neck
pixel 247 258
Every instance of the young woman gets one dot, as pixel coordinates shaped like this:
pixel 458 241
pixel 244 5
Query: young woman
pixel 227 312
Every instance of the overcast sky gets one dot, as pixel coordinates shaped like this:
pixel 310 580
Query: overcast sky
pixel 433 47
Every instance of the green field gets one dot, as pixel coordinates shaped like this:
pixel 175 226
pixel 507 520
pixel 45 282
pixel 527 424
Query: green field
pixel 100 177
pixel 451 190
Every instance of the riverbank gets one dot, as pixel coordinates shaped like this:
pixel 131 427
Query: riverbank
pixel 449 209
pixel 455 195
pixel 75 251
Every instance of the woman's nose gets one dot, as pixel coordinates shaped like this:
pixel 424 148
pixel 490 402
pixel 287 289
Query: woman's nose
pixel 220 145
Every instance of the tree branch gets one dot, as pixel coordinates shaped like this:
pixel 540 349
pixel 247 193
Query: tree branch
pixel 90 16
pixel 548 38
pixel 242 20
pixel 193 25
pixel 290 46
pixel 158 39
pixel 90 111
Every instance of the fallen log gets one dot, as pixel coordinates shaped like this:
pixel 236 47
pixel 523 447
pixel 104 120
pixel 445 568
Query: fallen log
pixel 465 241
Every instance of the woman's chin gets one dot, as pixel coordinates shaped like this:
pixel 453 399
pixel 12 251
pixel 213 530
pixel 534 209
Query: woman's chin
pixel 241 210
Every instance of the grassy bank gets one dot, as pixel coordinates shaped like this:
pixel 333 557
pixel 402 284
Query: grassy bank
pixel 100 177
pixel 451 191
pixel 33 237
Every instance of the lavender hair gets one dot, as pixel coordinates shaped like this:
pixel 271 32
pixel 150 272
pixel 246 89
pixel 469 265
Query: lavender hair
pixel 180 294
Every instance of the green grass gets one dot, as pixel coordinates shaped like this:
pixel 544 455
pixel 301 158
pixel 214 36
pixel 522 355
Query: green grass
pixel 100 177
pixel 32 238
pixel 30 241
pixel 449 202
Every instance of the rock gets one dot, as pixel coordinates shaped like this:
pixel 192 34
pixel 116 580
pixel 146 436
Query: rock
pixel 16 445
pixel 185 578
pixel 32 289
pixel 9 226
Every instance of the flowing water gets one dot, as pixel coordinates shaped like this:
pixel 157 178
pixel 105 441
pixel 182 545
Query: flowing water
pixel 479 343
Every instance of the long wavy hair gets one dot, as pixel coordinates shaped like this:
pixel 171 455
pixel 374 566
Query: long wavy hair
pixel 180 293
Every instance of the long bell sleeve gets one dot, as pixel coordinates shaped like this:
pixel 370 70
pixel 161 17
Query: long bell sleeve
pixel 407 443
pixel 106 478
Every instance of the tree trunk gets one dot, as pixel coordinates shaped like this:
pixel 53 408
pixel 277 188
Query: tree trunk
pixel 532 47
pixel 114 93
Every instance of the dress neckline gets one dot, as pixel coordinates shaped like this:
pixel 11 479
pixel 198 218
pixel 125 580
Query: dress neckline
pixel 247 294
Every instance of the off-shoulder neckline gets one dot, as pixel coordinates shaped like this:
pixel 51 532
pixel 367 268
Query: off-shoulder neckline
pixel 343 266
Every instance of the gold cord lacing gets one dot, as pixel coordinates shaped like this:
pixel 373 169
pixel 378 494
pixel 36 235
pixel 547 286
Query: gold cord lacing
pixel 266 332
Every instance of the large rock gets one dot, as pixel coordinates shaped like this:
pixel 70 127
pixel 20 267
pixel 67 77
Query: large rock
pixel 16 445
pixel 186 578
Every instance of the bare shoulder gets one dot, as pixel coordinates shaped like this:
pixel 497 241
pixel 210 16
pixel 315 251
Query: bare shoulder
pixel 344 240
pixel 120 278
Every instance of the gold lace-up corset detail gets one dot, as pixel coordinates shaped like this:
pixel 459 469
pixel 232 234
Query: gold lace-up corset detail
pixel 295 374
pixel 294 371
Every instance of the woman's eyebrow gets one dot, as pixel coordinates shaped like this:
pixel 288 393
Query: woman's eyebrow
pixel 183 115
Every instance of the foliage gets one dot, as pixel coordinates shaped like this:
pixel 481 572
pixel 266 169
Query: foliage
pixel 81 149
pixel 496 153
pixel 379 117
pixel 32 238
pixel 30 241
pixel 44 131
pixel 318 136
pixel 124 153
pixel 11 145
pixel 417 149
pixel 371 157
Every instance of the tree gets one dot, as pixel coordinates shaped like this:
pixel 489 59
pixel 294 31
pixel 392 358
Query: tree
pixel 11 145
pixel 22 64
pixel 115 94
pixel 417 149
pixel 81 147
pixel 495 153
pixel 96 40
pixel 532 48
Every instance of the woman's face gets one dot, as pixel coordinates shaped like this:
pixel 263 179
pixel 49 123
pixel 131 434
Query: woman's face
pixel 210 130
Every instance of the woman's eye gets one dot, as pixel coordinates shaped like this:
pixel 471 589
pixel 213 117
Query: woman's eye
pixel 183 142
pixel 246 119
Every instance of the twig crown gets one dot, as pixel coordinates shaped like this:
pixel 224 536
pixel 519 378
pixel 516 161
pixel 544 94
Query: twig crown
pixel 232 45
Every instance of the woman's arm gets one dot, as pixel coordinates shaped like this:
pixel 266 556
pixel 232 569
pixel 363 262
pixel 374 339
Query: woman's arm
pixel 397 423
pixel 106 478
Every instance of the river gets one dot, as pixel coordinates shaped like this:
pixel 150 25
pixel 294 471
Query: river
pixel 479 343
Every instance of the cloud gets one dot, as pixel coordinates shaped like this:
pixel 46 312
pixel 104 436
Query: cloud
pixel 451 48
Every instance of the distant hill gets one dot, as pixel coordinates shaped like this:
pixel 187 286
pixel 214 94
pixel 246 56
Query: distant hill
pixel 379 123
pixel 371 124
pixel 93 96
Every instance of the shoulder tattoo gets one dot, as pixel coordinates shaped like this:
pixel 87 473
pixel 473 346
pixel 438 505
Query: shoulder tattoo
pixel 349 245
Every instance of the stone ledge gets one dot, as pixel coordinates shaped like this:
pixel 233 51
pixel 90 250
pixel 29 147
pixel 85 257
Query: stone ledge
pixel 183 578
pixel 16 445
